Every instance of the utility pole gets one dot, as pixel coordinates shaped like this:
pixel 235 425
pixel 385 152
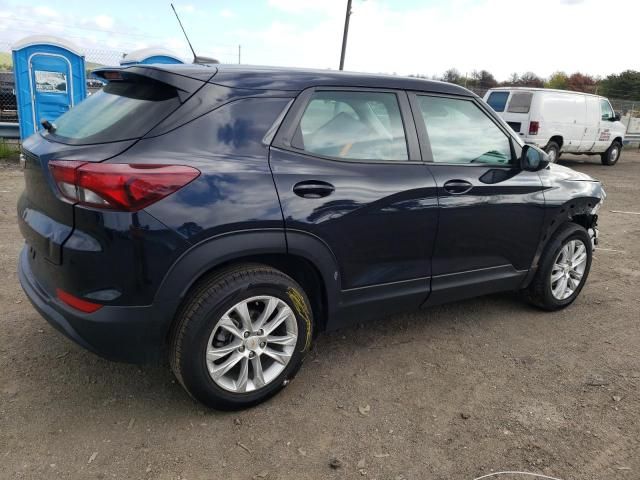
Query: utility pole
pixel 239 53
pixel 345 34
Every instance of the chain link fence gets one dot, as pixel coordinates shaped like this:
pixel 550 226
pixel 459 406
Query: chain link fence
pixel 630 114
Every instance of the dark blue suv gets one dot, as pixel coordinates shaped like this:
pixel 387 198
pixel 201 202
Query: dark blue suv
pixel 221 216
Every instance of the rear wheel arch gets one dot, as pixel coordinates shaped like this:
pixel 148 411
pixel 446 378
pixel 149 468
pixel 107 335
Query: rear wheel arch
pixel 558 140
pixel 298 268
pixel 554 148
pixel 308 261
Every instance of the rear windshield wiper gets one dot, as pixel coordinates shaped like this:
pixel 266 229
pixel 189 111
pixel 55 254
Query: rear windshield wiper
pixel 48 126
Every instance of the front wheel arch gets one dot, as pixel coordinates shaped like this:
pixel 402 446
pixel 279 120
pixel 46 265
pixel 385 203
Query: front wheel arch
pixel 539 291
pixel 606 156
pixel 577 211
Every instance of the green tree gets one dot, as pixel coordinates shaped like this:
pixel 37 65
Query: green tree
pixel 557 80
pixel 514 79
pixel 482 79
pixel 625 85
pixel 453 76
pixel 527 79
pixel 530 79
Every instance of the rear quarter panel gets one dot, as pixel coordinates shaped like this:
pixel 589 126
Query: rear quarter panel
pixel 235 189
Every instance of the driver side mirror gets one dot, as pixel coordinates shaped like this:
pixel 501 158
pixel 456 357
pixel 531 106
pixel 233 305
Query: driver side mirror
pixel 616 117
pixel 533 158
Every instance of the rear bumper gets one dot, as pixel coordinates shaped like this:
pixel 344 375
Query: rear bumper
pixel 128 334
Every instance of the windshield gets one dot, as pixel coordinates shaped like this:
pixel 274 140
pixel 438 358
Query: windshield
pixel 122 110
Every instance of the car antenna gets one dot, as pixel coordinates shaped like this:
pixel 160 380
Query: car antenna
pixel 196 58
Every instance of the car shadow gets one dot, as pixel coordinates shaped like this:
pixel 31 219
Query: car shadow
pixel 74 378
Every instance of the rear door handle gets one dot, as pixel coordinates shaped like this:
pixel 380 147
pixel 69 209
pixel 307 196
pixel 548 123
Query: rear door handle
pixel 457 187
pixel 313 189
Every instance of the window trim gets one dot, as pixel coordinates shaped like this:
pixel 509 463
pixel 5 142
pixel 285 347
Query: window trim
pixel 287 131
pixel 425 142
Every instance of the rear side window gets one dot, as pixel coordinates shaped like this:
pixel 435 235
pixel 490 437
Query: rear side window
pixel 121 110
pixel 498 100
pixel 459 132
pixel 353 125
pixel 520 102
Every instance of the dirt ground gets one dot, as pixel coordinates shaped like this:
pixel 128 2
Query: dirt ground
pixel 455 392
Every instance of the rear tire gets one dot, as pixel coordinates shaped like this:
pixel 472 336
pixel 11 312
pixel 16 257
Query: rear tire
pixel 228 320
pixel 553 150
pixel 612 155
pixel 545 291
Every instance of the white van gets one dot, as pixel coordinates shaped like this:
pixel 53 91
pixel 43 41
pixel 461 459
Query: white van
pixel 561 121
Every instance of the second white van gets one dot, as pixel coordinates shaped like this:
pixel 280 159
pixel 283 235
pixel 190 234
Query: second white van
pixel 561 121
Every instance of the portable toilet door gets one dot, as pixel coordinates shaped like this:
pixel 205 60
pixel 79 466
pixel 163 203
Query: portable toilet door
pixel 150 55
pixel 50 79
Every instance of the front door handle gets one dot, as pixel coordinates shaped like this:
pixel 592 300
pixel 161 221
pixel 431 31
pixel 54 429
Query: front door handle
pixel 457 187
pixel 313 189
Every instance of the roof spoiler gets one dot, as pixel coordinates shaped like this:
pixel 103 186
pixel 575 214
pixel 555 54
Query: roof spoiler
pixel 198 60
pixel 185 86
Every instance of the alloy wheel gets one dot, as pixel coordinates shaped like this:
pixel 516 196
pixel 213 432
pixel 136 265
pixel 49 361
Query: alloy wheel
pixel 251 344
pixel 568 269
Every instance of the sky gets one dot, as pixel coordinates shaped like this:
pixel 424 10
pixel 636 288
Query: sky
pixel 402 36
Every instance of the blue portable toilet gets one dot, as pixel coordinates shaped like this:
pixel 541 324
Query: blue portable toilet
pixel 150 55
pixel 50 78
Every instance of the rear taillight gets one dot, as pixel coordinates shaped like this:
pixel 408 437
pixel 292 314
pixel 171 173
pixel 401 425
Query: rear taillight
pixel 533 128
pixel 118 186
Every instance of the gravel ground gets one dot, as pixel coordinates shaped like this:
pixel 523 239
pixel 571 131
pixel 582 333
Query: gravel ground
pixel 455 392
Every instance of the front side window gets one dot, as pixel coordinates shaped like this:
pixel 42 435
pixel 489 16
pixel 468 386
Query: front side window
pixel 605 109
pixel 459 132
pixel 498 100
pixel 353 125
pixel 520 102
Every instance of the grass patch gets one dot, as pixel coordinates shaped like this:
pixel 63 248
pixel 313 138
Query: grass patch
pixel 8 149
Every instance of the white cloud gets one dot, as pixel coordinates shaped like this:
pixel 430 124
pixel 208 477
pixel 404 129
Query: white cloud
pixel 297 6
pixel 45 11
pixel 103 21
pixel 186 8
pixel 501 36
pixel 86 32
pixel 226 13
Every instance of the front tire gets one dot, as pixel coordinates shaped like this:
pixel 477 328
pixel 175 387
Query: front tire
pixel 612 155
pixel 563 269
pixel 241 336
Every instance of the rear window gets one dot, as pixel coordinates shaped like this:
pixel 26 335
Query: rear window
pixel 520 102
pixel 498 100
pixel 122 110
